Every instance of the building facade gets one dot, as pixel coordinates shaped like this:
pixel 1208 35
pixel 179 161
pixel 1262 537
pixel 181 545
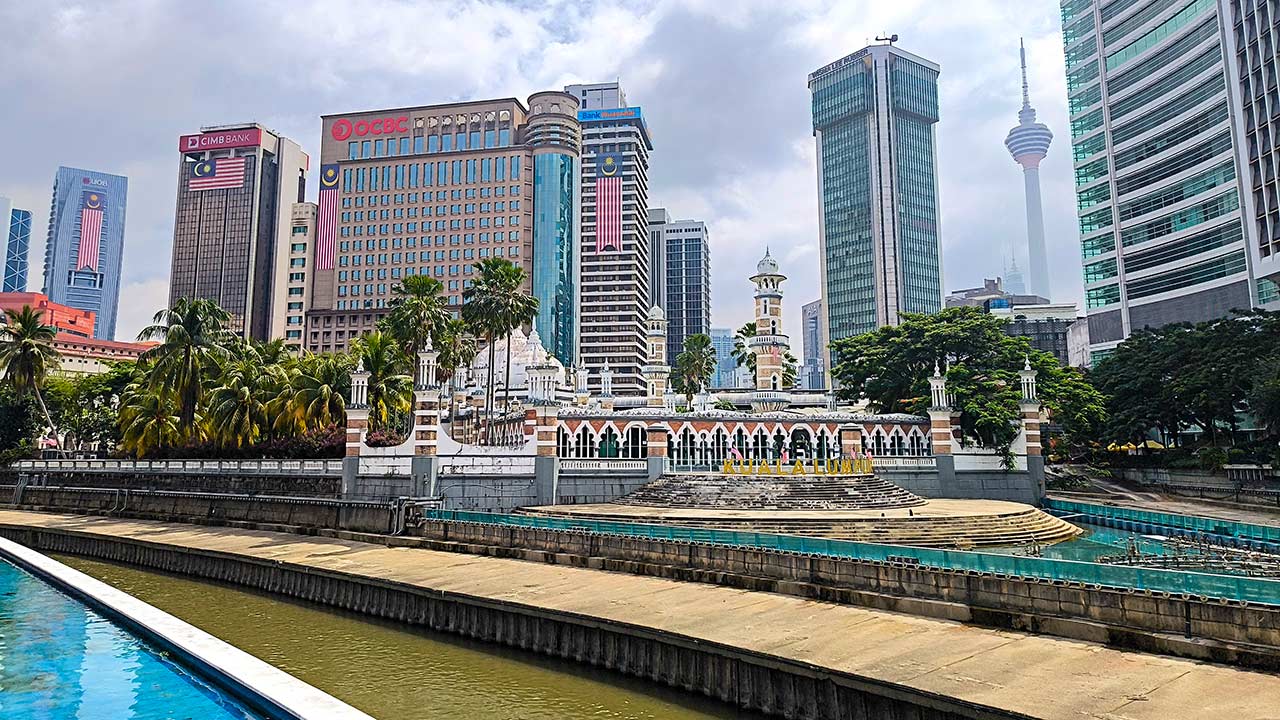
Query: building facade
pixel 231 234
pixel 426 190
pixel 1028 143
pixel 84 247
pixel 615 271
pixel 873 121
pixel 993 293
pixel 686 256
pixel 1251 38
pixel 813 369
pixel 65 319
pixel 555 137
pixel 1163 141
pixel 1046 326
pixel 658 219
pixel 292 299
pixel 15 243
pixel 726 374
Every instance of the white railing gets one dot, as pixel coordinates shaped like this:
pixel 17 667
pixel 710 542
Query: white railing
pixel 903 462
pixel 186 467
pixel 603 464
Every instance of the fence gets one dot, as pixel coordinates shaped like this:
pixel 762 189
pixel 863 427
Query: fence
pixel 1266 533
pixel 245 467
pixel 619 465
pixel 1204 585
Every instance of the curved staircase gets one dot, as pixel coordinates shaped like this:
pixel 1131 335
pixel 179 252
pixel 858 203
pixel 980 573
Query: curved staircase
pixel 772 492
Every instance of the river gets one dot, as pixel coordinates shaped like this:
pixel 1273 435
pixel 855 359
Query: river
pixel 397 672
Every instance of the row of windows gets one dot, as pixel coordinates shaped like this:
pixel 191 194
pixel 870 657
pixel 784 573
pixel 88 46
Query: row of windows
pixel 1181 219
pixel 1114 9
pixel 1175 164
pixel 411 242
pixel 468 224
pixel 1179 191
pixel 1166 85
pixel 1214 269
pixel 1168 111
pixel 1117 32
pixel 429 210
pixel 1096 220
pixel 1083 51
pixel 1163 59
pixel 390 147
pixel 1082 76
pixel 1158 34
pixel 1095 195
pixel 1173 136
pixel 1086 99
pixel 1101 270
pixel 438 196
pixel 1099 245
pixel 1074 8
pixel 1079 29
pixel 1086 124
pixel 443 174
pixel 1088 173
pixel 1102 297
pixel 1211 239
pixel 1089 147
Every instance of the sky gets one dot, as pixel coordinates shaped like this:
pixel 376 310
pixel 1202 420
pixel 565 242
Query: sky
pixel 110 85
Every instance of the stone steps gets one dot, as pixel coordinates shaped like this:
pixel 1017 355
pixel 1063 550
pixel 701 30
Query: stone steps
pixel 779 492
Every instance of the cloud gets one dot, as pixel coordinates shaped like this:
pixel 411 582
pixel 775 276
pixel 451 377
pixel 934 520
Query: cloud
pixel 110 85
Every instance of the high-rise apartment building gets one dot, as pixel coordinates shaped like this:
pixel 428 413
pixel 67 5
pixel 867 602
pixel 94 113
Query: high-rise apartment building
pixel 813 370
pixel 1252 46
pixel 614 250
pixel 431 190
pixel 873 121
pixel 231 233
pixel 85 244
pixel 15 242
pixel 1028 143
pixel 658 219
pixel 292 296
pixel 1165 133
pixel 686 278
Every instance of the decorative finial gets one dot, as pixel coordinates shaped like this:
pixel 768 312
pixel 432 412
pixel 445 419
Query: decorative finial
pixel 936 369
pixel 1026 362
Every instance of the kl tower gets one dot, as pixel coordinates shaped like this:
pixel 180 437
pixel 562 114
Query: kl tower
pixel 1028 143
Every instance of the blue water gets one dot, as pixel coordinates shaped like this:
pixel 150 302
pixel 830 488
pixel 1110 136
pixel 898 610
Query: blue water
pixel 60 660
pixel 1096 542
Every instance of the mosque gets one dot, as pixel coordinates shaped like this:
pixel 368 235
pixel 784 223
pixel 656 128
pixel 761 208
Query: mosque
pixel 770 464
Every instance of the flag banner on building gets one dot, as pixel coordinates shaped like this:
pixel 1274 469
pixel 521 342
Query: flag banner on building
pixel 91 206
pixel 327 218
pixel 218 174
pixel 608 202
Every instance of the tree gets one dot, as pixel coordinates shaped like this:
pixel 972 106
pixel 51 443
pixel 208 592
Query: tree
pixel 743 355
pixel 315 396
pixel 419 312
pixel 890 367
pixel 695 365
pixel 457 349
pixel 27 355
pixel 1264 395
pixel 238 405
pixel 193 337
pixel 390 386
pixel 496 304
pixel 148 421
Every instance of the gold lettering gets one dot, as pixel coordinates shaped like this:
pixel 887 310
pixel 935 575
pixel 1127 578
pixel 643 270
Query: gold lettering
pixel 765 468
pixel 727 468
pixel 798 468
pixel 846 467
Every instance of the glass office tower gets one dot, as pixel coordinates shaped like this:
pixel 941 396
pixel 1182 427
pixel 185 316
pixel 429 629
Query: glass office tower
pixel 15 241
pixel 85 245
pixel 873 118
pixel 1158 170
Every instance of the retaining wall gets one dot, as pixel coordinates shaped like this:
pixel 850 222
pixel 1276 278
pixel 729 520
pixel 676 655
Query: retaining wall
pixel 754 681
pixel 581 487
pixel 294 485
pixel 1014 486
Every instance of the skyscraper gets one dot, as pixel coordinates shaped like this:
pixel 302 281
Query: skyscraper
pixel 1251 38
pixel 726 374
pixel 231 233
pixel 873 118
pixel 1161 170
pixel 615 292
pixel 431 190
pixel 658 219
pixel 813 371
pixel 85 244
pixel 1028 143
pixel 686 278
pixel 15 242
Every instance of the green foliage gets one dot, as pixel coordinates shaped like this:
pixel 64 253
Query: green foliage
pixel 743 355
pixel 694 366
pixel 419 313
pixel 390 385
pixel 495 305
pixel 193 337
pixel 890 368
pixel 19 422
pixel 1182 375
pixel 27 356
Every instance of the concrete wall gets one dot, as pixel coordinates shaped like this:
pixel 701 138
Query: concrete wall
pixel 1160 475
pixel 749 680
pixel 577 487
pixel 1016 486
pixel 294 485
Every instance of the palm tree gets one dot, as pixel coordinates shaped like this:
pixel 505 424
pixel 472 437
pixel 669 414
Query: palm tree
pixel 27 355
pixel 457 348
pixel 193 336
pixel 419 311
pixel 695 365
pixel 390 386
pixel 498 305
pixel 315 395
pixel 742 354
pixel 148 421
pixel 238 406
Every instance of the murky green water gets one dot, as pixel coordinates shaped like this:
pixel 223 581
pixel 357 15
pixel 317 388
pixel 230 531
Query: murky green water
pixel 394 672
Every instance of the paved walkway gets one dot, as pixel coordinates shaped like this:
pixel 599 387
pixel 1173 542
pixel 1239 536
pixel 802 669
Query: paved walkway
pixel 1038 676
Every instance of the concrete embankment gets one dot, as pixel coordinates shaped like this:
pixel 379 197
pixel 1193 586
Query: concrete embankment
pixel 785 655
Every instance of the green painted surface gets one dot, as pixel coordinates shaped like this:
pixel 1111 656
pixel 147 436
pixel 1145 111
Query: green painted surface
pixel 396 673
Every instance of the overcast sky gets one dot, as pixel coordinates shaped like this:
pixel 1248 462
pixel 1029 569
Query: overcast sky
pixel 110 85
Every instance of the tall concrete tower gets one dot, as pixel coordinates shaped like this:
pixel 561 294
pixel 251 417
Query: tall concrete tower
pixel 655 370
pixel 1028 143
pixel 769 344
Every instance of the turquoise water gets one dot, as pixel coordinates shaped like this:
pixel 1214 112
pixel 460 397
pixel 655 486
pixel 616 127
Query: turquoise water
pixel 60 660
pixel 1096 542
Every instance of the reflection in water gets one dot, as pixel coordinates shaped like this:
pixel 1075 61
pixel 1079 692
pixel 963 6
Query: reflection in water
pixel 392 671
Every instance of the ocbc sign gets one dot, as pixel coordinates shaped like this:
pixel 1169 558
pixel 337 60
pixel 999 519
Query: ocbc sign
pixel 344 128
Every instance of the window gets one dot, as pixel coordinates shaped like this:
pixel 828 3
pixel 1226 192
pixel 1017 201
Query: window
pixel 298 262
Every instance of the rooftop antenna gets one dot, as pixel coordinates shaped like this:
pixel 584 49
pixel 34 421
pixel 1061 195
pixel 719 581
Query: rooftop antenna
pixel 891 39
pixel 1026 95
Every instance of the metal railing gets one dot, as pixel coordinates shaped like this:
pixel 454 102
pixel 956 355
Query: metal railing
pixel 1266 533
pixel 1202 585
pixel 246 467
pixel 603 464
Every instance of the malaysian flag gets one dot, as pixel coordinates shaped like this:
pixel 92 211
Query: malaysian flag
pixel 327 217
pixel 91 205
pixel 217 174
pixel 608 202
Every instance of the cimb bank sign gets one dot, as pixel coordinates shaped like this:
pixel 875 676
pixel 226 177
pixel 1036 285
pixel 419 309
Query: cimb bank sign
pixel 220 140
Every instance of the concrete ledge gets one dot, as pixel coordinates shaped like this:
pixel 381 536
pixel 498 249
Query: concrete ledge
pixel 263 686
